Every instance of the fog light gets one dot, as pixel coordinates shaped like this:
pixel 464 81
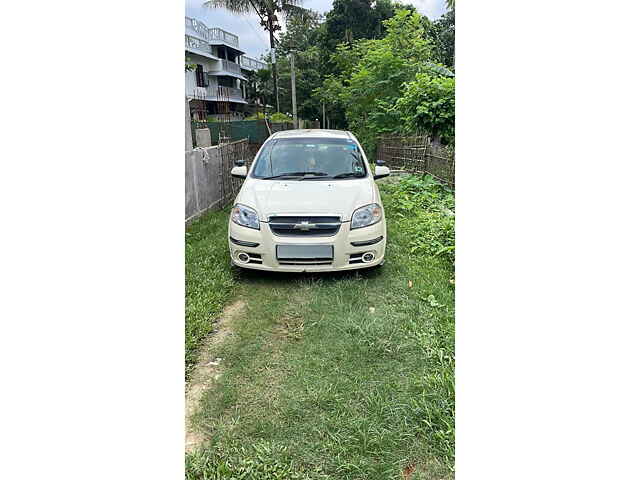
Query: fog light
pixel 242 257
pixel 368 257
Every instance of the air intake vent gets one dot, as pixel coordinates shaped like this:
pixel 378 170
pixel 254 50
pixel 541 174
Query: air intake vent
pixel 255 258
pixel 305 226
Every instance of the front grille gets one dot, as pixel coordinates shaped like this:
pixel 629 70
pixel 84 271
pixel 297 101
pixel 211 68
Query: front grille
pixel 305 226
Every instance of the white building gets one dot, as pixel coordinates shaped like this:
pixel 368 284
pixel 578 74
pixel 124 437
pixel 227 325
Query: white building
pixel 218 84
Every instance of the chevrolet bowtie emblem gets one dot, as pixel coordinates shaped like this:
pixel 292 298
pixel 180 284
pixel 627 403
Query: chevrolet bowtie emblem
pixel 305 226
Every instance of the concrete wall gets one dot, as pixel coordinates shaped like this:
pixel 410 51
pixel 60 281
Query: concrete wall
pixel 203 137
pixel 208 181
pixel 207 173
pixel 203 181
pixel 188 139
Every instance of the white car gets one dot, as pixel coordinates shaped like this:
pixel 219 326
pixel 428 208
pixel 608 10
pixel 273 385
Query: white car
pixel 309 203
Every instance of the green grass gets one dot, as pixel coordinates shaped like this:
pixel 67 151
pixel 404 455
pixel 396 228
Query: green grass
pixel 209 282
pixel 316 384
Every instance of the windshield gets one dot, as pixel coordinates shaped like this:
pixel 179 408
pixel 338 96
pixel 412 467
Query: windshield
pixel 310 158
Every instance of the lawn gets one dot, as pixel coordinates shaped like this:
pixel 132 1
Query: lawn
pixel 209 280
pixel 346 375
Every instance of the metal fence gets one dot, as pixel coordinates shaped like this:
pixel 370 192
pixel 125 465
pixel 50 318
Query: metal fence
pixel 255 130
pixel 278 127
pixel 229 153
pixel 417 154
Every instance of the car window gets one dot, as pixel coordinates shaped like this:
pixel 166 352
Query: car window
pixel 317 157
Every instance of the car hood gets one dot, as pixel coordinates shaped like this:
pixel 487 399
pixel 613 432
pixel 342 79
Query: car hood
pixel 306 197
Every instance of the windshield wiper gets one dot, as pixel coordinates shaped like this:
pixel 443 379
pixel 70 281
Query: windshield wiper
pixel 296 174
pixel 348 174
pixel 314 175
pixel 282 175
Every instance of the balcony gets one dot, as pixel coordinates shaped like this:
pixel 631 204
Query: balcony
pixel 228 69
pixel 230 66
pixel 199 93
pixel 223 35
pixel 214 93
pixel 199 46
pixel 195 28
pixel 222 94
pixel 251 64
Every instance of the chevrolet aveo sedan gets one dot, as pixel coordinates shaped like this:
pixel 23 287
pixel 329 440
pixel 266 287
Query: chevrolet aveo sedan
pixel 308 203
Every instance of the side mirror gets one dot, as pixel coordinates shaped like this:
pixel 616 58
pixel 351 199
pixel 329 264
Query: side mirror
pixel 239 163
pixel 381 172
pixel 380 163
pixel 239 172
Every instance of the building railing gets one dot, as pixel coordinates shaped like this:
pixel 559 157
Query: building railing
pixel 230 66
pixel 215 93
pixel 228 92
pixel 200 93
pixel 197 26
pixel 197 44
pixel 193 25
pixel 230 38
pixel 251 63
pixel 223 93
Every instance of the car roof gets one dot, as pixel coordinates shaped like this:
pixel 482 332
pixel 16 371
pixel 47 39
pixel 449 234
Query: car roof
pixel 312 132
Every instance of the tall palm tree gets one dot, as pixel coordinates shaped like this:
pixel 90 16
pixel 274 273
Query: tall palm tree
pixel 267 11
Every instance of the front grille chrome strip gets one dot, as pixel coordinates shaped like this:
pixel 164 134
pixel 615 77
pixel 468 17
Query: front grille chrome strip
pixel 324 226
pixel 311 226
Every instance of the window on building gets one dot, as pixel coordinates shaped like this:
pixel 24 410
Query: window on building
pixel 200 77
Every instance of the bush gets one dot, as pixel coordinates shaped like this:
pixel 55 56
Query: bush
pixel 428 105
pixel 426 208
pixel 256 116
pixel 279 117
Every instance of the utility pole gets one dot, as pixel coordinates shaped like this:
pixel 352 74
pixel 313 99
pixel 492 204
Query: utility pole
pixel 293 91
pixel 273 61
pixel 323 115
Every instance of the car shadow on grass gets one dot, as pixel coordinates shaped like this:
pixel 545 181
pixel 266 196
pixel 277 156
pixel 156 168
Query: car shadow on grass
pixel 249 276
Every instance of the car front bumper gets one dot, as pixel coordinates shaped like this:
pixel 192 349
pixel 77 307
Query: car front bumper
pixel 345 255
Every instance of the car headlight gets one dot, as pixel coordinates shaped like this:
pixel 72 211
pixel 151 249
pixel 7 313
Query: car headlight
pixel 245 216
pixel 365 216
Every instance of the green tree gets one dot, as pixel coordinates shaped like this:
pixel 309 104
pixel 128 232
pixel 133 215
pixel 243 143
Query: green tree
pixel 352 20
pixel 264 88
pixel 428 105
pixel 373 73
pixel 442 34
pixel 301 41
pixel 302 32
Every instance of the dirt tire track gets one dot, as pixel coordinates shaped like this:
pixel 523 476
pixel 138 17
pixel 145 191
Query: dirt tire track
pixel 205 371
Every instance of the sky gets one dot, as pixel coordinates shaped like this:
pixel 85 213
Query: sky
pixel 255 41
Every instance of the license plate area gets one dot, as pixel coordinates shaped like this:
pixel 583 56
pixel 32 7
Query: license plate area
pixel 304 252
